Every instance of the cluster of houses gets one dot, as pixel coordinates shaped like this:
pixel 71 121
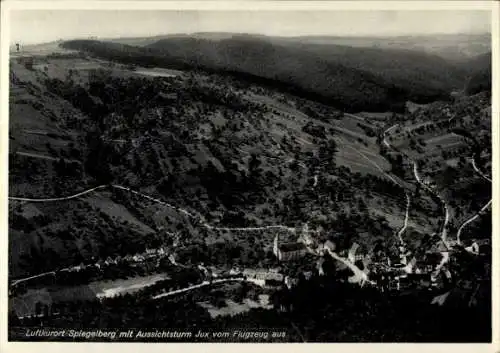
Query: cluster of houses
pixel 133 260
pixel 271 278
pixel 387 272
pixel 149 260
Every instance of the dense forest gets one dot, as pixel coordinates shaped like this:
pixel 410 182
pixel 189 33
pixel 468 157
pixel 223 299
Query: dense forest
pixel 479 70
pixel 352 79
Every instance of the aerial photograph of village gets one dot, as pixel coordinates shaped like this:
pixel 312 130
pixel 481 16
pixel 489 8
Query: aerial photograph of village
pixel 266 176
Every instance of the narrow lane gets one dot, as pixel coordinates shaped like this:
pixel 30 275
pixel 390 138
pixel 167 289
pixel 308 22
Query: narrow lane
pixel 444 231
pixel 179 209
pixel 64 198
pixel 473 218
pixel 419 180
pixel 481 211
pixel 405 225
pixel 196 286
pixel 359 276
pixel 479 171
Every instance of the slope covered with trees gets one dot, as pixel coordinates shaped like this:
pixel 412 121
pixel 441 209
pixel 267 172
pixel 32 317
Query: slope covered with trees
pixel 352 79
pixel 479 74
pixel 239 154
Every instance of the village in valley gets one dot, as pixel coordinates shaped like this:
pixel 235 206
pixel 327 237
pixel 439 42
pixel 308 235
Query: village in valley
pixel 362 267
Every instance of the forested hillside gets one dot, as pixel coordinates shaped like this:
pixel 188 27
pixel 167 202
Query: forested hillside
pixel 479 74
pixel 352 79
pixel 236 153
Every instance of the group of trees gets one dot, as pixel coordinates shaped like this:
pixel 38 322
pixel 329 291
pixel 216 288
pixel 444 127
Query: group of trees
pixel 318 131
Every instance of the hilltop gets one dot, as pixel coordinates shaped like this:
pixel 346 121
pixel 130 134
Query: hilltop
pixel 453 47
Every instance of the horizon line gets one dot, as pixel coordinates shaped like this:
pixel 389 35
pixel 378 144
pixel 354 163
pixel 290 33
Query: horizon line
pixel 359 36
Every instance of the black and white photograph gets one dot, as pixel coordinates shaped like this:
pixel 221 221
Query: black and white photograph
pixel 249 175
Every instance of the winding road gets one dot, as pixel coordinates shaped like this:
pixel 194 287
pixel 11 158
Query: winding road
pixel 473 218
pixel 359 276
pixel 196 286
pixel 408 199
pixel 32 277
pixel 481 211
pixel 445 255
pixel 444 232
pixel 419 180
pixel 479 171
pixel 179 209
pixel 388 145
pixel 407 212
pixel 64 198
pixel 405 225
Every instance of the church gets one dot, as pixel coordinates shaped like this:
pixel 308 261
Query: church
pixel 288 251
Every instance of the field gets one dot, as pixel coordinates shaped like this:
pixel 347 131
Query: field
pixel 232 299
pixel 352 140
pixel 428 146
pixel 232 308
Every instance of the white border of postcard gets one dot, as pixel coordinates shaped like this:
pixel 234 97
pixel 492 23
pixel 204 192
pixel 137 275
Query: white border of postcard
pixel 7 5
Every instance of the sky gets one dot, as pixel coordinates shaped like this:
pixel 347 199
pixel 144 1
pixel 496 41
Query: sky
pixel 39 26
